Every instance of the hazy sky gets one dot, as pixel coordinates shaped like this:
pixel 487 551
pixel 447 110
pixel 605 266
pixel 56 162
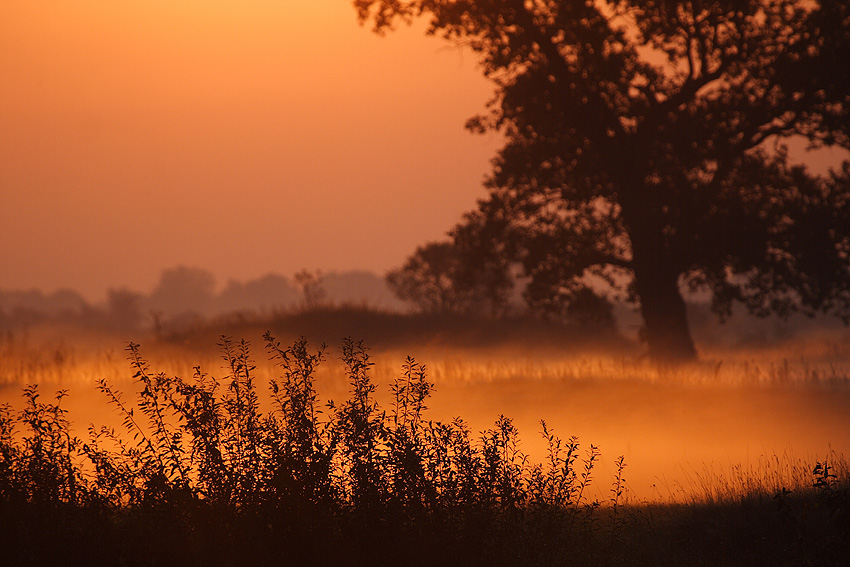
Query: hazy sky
pixel 239 136
pixel 243 137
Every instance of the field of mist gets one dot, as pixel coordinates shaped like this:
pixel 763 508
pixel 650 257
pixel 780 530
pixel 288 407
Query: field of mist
pixel 767 400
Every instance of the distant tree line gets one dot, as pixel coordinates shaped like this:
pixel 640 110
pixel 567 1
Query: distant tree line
pixel 185 294
pixel 459 276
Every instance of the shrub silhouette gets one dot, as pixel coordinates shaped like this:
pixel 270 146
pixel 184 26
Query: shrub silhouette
pixel 201 474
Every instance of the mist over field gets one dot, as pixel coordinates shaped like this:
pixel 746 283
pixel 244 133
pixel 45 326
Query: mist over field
pixel 611 327
pixel 766 396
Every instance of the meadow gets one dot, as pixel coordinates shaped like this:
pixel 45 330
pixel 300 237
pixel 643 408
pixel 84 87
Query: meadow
pixel 219 449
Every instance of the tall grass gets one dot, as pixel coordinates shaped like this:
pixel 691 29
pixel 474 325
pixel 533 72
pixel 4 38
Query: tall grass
pixel 199 472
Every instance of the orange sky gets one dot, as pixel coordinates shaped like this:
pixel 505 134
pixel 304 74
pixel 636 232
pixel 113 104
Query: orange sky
pixel 243 137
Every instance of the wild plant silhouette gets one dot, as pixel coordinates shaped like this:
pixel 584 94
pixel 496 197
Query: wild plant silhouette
pixel 199 472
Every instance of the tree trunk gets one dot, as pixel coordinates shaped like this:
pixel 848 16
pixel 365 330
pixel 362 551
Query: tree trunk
pixel 664 315
pixel 656 258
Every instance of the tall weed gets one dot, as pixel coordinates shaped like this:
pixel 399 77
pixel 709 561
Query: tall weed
pixel 204 470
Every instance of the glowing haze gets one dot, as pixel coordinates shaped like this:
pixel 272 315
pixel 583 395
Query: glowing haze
pixel 242 137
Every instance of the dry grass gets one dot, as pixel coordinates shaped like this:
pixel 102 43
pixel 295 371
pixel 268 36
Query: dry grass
pixel 734 409
pixel 737 460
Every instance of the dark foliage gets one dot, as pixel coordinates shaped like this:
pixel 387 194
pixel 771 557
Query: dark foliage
pixel 645 145
pixel 443 277
pixel 445 330
pixel 201 475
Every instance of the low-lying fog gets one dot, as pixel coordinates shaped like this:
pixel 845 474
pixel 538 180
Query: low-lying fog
pixel 683 431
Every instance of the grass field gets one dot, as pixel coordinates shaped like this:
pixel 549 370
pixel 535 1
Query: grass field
pixel 720 458
pixel 738 410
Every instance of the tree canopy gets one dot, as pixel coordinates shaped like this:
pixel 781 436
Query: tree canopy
pixel 648 138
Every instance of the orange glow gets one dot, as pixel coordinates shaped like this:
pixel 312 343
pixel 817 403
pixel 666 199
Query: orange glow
pixel 688 433
pixel 255 136
pixel 241 137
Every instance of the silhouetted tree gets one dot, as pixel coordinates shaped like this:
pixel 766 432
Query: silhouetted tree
pixel 312 287
pixel 124 309
pixel 267 292
pixel 183 290
pixel 444 277
pixel 645 137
